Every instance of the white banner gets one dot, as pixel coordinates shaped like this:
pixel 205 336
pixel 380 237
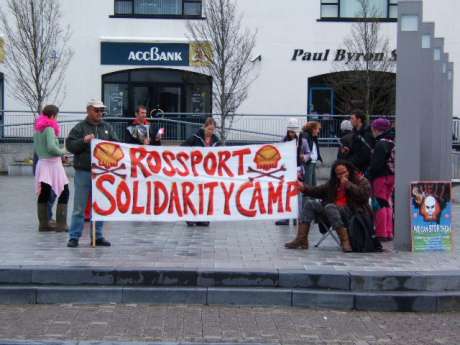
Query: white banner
pixel 161 183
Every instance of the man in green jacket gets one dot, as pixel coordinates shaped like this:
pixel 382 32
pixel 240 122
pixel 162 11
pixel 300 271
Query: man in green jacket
pixel 79 143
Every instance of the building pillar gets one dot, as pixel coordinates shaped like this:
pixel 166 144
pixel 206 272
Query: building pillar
pixel 409 86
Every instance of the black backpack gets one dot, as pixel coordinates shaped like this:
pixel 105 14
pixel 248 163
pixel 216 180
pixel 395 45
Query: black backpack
pixel 362 235
pixel 391 157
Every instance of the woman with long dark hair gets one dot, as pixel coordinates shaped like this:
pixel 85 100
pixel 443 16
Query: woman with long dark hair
pixel 346 192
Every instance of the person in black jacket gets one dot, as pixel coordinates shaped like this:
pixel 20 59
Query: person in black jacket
pixel 141 132
pixel 204 137
pixel 362 142
pixel 381 175
pixel 79 143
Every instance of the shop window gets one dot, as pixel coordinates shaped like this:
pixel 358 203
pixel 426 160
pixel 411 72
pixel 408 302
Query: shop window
pixel 158 8
pixel 351 10
pixel 116 98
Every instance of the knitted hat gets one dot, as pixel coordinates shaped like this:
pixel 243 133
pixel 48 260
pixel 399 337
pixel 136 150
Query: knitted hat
pixel 346 125
pixel 381 125
pixel 293 125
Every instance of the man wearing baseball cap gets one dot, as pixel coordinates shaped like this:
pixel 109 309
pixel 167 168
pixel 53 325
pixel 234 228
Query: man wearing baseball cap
pixel 79 143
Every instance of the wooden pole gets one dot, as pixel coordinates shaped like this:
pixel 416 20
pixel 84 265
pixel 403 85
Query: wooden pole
pixel 93 234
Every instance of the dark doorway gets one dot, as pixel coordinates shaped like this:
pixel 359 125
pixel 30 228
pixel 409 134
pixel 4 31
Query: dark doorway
pixel 321 100
pixel 340 93
pixel 167 98
pixel 172 91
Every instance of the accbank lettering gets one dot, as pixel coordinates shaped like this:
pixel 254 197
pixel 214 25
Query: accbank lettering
pixel 154 54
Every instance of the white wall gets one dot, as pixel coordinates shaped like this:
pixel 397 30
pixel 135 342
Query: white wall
pixel 282 85
pixel 444 14
pixel 283 26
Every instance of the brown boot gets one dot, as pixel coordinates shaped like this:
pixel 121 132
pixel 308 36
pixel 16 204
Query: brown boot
pixel 43 221
pixel 344 240
pixel 301 240
pixel 61 218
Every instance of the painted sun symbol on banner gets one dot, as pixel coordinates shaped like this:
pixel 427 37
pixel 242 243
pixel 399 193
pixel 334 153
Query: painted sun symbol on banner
pixel 267 159
pixel 109 156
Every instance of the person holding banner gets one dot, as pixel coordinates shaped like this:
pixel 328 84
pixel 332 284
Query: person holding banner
pixel 346 192
pixel 204 137
pixel 79 143
pixel 141 132
pixel 50 176
pixel 292 133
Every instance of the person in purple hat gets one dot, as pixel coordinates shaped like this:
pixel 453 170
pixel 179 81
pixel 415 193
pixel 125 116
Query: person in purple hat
pixel 381 174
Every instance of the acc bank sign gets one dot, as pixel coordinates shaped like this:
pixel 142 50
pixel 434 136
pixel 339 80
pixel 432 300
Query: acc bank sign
pixel 150 54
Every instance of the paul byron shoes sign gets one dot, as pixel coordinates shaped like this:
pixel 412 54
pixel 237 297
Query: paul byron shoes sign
pixel 145 183
pixel 342 55
pixel 151 54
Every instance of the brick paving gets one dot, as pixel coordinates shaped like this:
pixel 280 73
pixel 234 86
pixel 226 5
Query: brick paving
pixel 204 324
pixel 237 246
pixel 254 245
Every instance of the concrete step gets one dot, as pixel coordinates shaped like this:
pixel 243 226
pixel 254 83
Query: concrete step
pixel 317 299
pixel 312 279
pixel 112 342
pixel 384 291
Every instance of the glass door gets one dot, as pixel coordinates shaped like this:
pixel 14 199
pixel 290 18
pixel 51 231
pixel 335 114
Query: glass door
pixel 161 98
pixel 166 98
pixel 169 99
pixel 321 100
pixel 143 95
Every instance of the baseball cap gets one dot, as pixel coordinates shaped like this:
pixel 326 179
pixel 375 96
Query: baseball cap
pixel 95 103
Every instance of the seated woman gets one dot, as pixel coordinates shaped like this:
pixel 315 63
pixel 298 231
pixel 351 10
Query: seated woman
pixel 346 192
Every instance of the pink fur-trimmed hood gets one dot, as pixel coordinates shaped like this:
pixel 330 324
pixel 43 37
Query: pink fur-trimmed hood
pixel 43 122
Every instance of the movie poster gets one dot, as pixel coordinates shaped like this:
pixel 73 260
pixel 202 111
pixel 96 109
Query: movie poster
pixel 431 216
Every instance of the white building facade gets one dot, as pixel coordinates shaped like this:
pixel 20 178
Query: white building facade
pixel 131 52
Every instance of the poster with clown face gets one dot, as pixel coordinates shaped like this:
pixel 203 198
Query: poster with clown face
pixel 431 216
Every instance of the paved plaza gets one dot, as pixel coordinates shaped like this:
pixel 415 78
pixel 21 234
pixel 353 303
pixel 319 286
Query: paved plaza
pixel 257 245
pixel 174 325
pixel 239 246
